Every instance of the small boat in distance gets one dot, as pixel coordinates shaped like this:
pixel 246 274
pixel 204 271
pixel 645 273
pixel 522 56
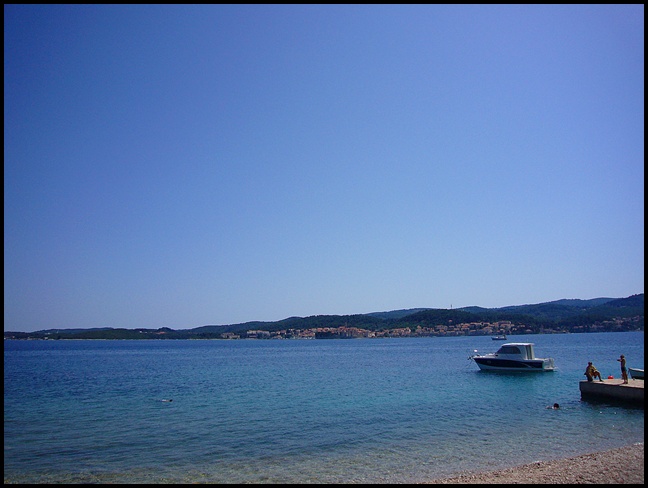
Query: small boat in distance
pixel 499 337
pixel 637 374
pixel 514 356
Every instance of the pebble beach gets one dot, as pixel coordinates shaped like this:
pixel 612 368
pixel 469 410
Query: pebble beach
pixel 624 465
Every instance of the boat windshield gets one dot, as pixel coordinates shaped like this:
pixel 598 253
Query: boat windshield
pixel 509 350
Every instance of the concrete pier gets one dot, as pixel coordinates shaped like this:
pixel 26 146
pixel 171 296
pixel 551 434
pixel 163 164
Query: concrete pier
pixel 633 392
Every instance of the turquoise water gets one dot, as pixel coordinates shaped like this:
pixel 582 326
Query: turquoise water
pixel 300 411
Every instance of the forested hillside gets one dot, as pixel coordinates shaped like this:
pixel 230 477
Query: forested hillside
pixel 561 316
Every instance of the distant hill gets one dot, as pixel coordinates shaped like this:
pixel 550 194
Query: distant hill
pixel 396 314
pixel 73 331
pixel 567 315
pixel 594 302
pixel 561 309
pixel 555 310
pixel 631 305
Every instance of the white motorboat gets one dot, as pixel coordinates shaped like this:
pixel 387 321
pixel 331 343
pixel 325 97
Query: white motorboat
pixel 637 374
pixel 513 356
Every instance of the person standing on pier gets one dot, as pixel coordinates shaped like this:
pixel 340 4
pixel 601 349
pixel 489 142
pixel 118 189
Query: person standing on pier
pixel 624 371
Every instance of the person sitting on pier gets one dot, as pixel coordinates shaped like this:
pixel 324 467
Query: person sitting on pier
pixel 591 372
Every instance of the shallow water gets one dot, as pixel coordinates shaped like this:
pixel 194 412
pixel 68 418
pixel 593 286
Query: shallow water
pixel 300 411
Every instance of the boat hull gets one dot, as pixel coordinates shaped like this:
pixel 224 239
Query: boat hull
pixel 500 364
pixel 637 374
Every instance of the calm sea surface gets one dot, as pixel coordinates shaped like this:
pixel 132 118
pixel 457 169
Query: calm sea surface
pixel 300 411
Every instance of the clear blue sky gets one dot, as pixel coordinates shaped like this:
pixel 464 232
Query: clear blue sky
pixel 177 166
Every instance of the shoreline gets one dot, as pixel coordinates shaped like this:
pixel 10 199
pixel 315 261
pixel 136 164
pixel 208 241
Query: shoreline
pixel 623 465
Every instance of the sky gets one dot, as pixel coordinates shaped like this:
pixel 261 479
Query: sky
pixel 180 166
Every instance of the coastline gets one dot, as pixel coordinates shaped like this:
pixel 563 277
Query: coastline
pixel 623 465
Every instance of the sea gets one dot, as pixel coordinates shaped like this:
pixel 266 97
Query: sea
pixel 388 410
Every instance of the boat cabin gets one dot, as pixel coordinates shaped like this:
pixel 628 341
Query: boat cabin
pixel 521 350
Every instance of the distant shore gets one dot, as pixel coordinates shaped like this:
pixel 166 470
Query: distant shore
pixel 624 465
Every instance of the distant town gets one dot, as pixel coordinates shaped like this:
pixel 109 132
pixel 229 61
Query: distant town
pixel 462 329
pixel 500 328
